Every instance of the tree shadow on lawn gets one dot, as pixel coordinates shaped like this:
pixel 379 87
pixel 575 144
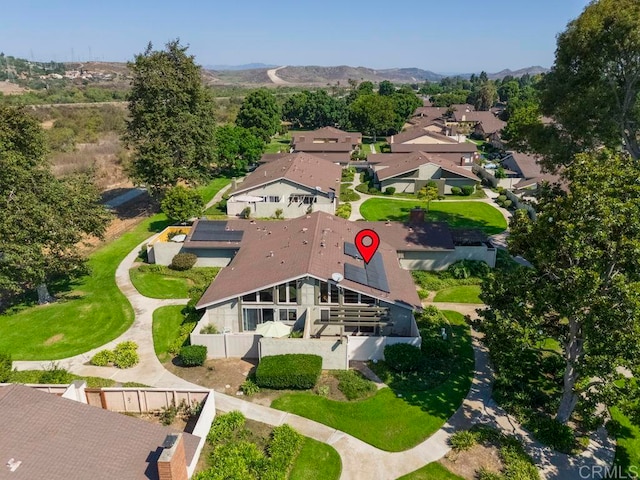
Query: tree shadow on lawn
pixel 454 220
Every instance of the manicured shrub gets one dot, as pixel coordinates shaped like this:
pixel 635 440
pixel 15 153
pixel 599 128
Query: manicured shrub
pixel 463 440
pixel 102 358
pixel 507 203
pixel 343 210
pixel 193 355
pixel 435 347
pixel 209 329
pixel 297 371
pixel 56 375
pixel 183 261
pixel 5 367
pixel 403 357
pixel 249 387
pixel 278 213
pixel 390 190
pixel 467 190
pixel 353 385
pixel 125 355
pixel 362 188
pixel 246 212
pixel 501 198
pixel 224 426
pixel 552 433
pixel 456 191
pixel 469 268
pixel 283 448
pixel 373 191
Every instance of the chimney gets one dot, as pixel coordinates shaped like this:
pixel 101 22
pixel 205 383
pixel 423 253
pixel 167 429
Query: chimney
pixel 172 464
pixel 416 216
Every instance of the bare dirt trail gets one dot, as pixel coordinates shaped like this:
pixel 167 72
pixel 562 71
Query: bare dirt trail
pixel 275 78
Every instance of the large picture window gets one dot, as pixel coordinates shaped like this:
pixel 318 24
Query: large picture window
pixel 329 293
pixel 264 296
pixel 287 293
pixel 288 314
pixel 251 317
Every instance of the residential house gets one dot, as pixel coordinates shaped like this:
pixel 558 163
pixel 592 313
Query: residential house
pixel 331 143
pixel 484 124
pixel 61 435
pixel 295 184
pixel 307 273
pixel 463 153
pixel 526 168
pixel 409 172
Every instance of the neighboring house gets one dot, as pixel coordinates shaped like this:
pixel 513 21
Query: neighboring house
pixel 420 139
pixel 337 145
pixel 297 183
pixel 526 168
pixel 60 435
pixel 489 127
pixel 307 273
pixel 409 172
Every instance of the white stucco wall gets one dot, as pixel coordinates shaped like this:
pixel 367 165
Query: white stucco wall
pixel 441 260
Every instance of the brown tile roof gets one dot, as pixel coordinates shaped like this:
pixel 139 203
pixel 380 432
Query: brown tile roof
pixel 525 165
pixel 323 147
pixel 464 147
pixel 302 168
pixel 58 439
pixel 490 123
pixel 429 112
pixel 325 133
pixel 416 132
pixel 334 157
pixel 274 252
pixel 398 163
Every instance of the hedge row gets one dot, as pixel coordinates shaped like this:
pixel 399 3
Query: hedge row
pixel 296 371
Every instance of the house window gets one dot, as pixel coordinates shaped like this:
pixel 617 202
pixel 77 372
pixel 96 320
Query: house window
pixel 264 296
pixel 305 199
pixel 324 314
pixel 351 297
pixel 287 293
pixel 273 199
pixel 288 314
pixel 251 317
pixel 328 293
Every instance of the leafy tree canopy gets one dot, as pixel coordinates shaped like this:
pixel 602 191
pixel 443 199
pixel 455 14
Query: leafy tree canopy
pixel 373 114
pixel 236 148
pixel 181 204
pixel 172 122
pixel 43 218
pixel 260 113
pixel 583 289
pixel 314 110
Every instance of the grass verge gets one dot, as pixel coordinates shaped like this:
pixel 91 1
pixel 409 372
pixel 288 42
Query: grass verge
pixel 166 328
pixel 460 294
pixel 457 214
pixel 431 471
pixel 316 461
pixel 158 281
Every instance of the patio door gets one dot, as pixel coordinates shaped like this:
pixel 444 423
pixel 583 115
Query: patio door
pixel 251 317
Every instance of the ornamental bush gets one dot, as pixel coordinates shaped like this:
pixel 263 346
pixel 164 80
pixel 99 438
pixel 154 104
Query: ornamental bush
pixel 193 355
pixel 102 358
pixel 125 355
pixel 353 385
pixel 183 261
pixel 456 191
pixel 467 190
pixel 296 371
pixel 5 367
pixel 390 190
pixel 403 357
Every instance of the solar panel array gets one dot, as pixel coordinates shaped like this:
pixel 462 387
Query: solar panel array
pixel 212 231
pixel 372 275
pixel 351 250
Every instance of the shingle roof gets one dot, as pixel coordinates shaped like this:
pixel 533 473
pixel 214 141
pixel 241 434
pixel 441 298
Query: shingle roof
pixel 58 439
pixel 463 147
pixel 398 163
pixel 416 132
pixel 325 133
pixel 490 123
pixel 274 252
pixel 302 168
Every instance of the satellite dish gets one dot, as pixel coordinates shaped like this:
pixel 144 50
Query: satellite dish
pixel 337 277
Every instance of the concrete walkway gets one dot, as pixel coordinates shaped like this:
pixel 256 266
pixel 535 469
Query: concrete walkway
pixel 359 459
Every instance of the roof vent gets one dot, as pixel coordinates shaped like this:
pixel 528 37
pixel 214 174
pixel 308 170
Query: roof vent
pixel 304 242
pixel 322 244
pixel 271 253
pixel 304 229
pixel 13 464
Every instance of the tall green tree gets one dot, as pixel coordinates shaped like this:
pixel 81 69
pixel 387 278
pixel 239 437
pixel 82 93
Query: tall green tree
pixel 260 113
pixel 404 104
pixel 584 287
pixel 314 110
pixel 372 115
pixel 43 218
pixel 593 88
pixel 236 148
pixel 428 193
pixel 171 123
pixel 182 204
pixel 386 88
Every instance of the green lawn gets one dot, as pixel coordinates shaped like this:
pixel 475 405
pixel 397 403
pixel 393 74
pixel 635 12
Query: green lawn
pixel 316 461
pixel 457 214
pixel 166 328
pixel 461 294
pixel 628 443
pixel 278 144
pixel 431 471
pixel 207 192
pixel 92 311
pixel 385 420
pixel 157 281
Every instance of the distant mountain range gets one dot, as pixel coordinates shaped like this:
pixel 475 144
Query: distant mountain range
pixel 246 66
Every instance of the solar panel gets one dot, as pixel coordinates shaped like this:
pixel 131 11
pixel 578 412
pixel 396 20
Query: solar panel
pixel 376 275
pixel 351 250
pixel 212 231
pixel 355 274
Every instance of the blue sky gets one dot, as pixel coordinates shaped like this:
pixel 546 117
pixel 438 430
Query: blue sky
pixel 449 37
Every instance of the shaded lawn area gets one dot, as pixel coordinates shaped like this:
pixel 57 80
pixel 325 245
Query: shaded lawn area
pixel 166 329
pixel 157 281
pixel 279 144
pixel 385 420
pixel 457 214
pixel 628 443
pixel 316 461
pixel 90 312
pixel 460 294
pixel 431 471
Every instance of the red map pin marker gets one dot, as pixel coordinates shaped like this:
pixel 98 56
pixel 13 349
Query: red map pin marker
pixel 367 242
